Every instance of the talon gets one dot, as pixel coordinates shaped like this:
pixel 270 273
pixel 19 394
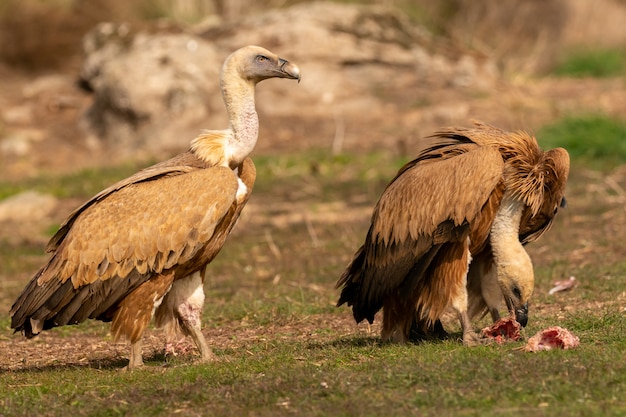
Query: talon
pixel 471 339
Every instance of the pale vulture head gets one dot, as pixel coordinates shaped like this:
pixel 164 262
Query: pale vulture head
pixel 255 64
pixel 516 280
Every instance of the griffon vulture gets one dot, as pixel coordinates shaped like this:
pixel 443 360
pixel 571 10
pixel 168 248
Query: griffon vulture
pixel 138 248
pixel 476 193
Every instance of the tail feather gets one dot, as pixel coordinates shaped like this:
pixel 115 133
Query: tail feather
pixel 54 303
pixel 353 294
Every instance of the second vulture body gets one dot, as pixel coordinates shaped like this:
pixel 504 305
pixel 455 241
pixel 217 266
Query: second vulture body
pixel 138 248
pixel 461 210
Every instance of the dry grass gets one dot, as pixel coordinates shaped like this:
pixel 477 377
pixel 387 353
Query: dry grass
pixel 283 347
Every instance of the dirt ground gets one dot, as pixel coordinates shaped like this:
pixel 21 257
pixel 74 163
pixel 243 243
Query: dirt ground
pixel 47 107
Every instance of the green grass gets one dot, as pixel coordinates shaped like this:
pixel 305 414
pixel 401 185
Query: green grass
pixel 597 63
pixel 320 174
pixel 284 349
pixel 595 139
pixel 82 184
pixel 344 377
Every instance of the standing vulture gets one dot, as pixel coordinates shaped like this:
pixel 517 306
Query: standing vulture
pixel 476 193
pixel 138 248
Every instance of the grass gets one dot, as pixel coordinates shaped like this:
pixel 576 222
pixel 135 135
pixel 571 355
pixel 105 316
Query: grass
pixel 82 184
pixel 345 377
pixel 284 349
pixel 595 139
pixel 599 63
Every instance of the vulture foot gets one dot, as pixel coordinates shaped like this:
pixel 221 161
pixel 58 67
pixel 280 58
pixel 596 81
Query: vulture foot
pixel 472 339
pixel 136 357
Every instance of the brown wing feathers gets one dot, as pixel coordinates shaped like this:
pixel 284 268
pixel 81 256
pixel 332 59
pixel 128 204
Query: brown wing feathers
pixel 129 242
pixel 423 208
pixel 180 164
pixel 424 212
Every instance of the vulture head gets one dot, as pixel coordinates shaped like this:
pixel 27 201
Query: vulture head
pixel 255 64
pixel 514 268
pixel 517 281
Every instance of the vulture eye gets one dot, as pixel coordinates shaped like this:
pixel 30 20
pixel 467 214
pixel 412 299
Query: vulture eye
pixel 517 293
pixel 261 59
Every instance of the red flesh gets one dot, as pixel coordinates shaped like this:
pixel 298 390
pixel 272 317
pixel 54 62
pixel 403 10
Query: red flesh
pixel 503 330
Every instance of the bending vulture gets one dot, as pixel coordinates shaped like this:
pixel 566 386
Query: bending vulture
pixel 460 211
pixel 138 248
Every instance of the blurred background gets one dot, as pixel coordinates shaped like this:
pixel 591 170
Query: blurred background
pixel 84 81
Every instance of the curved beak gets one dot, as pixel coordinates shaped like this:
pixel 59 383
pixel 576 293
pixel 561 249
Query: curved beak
pixel 519 312
pixel 289 70
pixel 521 315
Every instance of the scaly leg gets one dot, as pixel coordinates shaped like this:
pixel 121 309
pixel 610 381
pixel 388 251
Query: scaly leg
pixel 470 338
pixel 195 331
pixel 136 358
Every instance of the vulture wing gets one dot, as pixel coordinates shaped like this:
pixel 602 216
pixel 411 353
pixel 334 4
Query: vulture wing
pixel 180 164
pixel 123 237
pixel 426 206
pixel 542 175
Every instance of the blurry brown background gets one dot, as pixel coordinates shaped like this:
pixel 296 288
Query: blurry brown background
pixel 377 74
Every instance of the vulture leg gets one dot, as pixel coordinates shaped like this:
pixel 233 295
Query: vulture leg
pixel 181 312
pixel 135 312
pixel 136 357
pixel 195 330
pixel 470 337
pixel 485 295
pixel 398 314
pixel 457 265
pixel 492 293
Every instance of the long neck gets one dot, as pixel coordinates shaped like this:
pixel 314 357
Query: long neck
pixel 510 255
pixel 238 96
pixel 506 223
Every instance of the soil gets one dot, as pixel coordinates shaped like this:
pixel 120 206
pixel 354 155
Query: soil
pixel 43 113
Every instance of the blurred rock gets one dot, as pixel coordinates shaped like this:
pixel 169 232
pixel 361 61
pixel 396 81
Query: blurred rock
pixel 19 142
pixel 28 206
pixel 156 91
pixel 22 115
pixel 47 85
pixel 25 217
pixel 149 88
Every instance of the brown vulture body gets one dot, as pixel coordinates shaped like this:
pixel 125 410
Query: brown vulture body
pixel 138 248
pixel 475 194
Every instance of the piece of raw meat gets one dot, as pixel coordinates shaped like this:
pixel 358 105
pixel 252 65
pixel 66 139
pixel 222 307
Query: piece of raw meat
pixel 502 330
pixel 552 338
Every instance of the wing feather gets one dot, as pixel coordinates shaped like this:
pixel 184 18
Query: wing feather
pixel 134 233
pixel 180 164
pixel 420 210
pixel 117 231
